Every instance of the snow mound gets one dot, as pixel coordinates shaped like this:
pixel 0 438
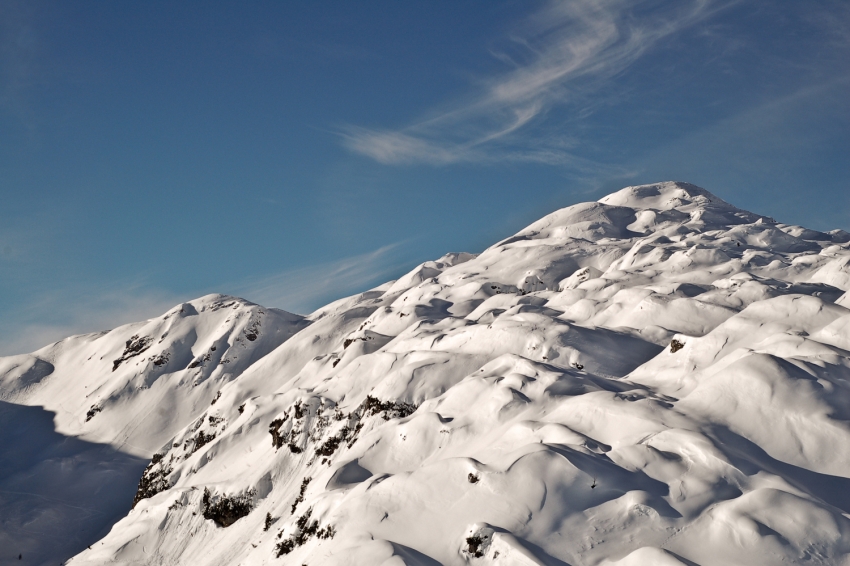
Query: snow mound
pixel 655 378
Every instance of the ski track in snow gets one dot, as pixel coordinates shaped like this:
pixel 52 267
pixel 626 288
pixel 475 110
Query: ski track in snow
pixel 654 378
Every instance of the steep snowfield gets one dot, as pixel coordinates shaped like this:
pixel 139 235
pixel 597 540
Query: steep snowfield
pixel 655 378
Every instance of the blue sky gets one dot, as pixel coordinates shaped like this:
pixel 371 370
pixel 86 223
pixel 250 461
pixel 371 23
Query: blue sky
pixel 296 152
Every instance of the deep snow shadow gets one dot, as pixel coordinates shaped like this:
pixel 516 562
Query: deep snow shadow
pixel 58 494
pixel 750 458
pixel 413 557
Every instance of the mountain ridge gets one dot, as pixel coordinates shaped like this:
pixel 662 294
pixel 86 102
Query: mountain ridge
pixel 655 377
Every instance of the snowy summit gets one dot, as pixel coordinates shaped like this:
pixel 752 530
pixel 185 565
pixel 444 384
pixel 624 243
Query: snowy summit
pixel 656 378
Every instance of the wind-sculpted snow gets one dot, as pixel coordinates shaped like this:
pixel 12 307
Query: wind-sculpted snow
pixel 655 378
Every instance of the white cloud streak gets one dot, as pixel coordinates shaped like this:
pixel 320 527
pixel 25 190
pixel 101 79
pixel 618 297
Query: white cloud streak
pixel 80 311
pixel 70 312
pixel 305 289
pixel 565 51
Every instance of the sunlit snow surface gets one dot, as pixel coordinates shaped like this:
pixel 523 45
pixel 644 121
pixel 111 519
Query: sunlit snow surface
pixel 655 378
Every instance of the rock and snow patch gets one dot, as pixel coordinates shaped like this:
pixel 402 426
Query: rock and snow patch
pixel 654 378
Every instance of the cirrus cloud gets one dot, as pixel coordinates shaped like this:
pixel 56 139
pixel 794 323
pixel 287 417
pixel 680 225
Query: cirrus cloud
pixel 558 56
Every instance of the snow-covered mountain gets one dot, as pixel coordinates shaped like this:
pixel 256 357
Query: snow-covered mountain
pixel 114 398
pixel 654 378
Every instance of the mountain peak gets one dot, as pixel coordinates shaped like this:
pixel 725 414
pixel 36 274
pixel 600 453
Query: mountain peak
pixel 666 195
pixel 667 208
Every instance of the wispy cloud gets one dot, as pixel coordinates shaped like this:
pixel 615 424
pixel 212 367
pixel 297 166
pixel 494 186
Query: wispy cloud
pixel 304 289
pixel 73 310
pixel 52 317
pixel 558 56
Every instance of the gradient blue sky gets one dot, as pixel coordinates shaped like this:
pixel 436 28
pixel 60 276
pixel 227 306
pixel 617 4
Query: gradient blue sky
pixel 295 152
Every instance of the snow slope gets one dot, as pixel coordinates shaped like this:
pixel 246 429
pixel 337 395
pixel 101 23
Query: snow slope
pixel 654 378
